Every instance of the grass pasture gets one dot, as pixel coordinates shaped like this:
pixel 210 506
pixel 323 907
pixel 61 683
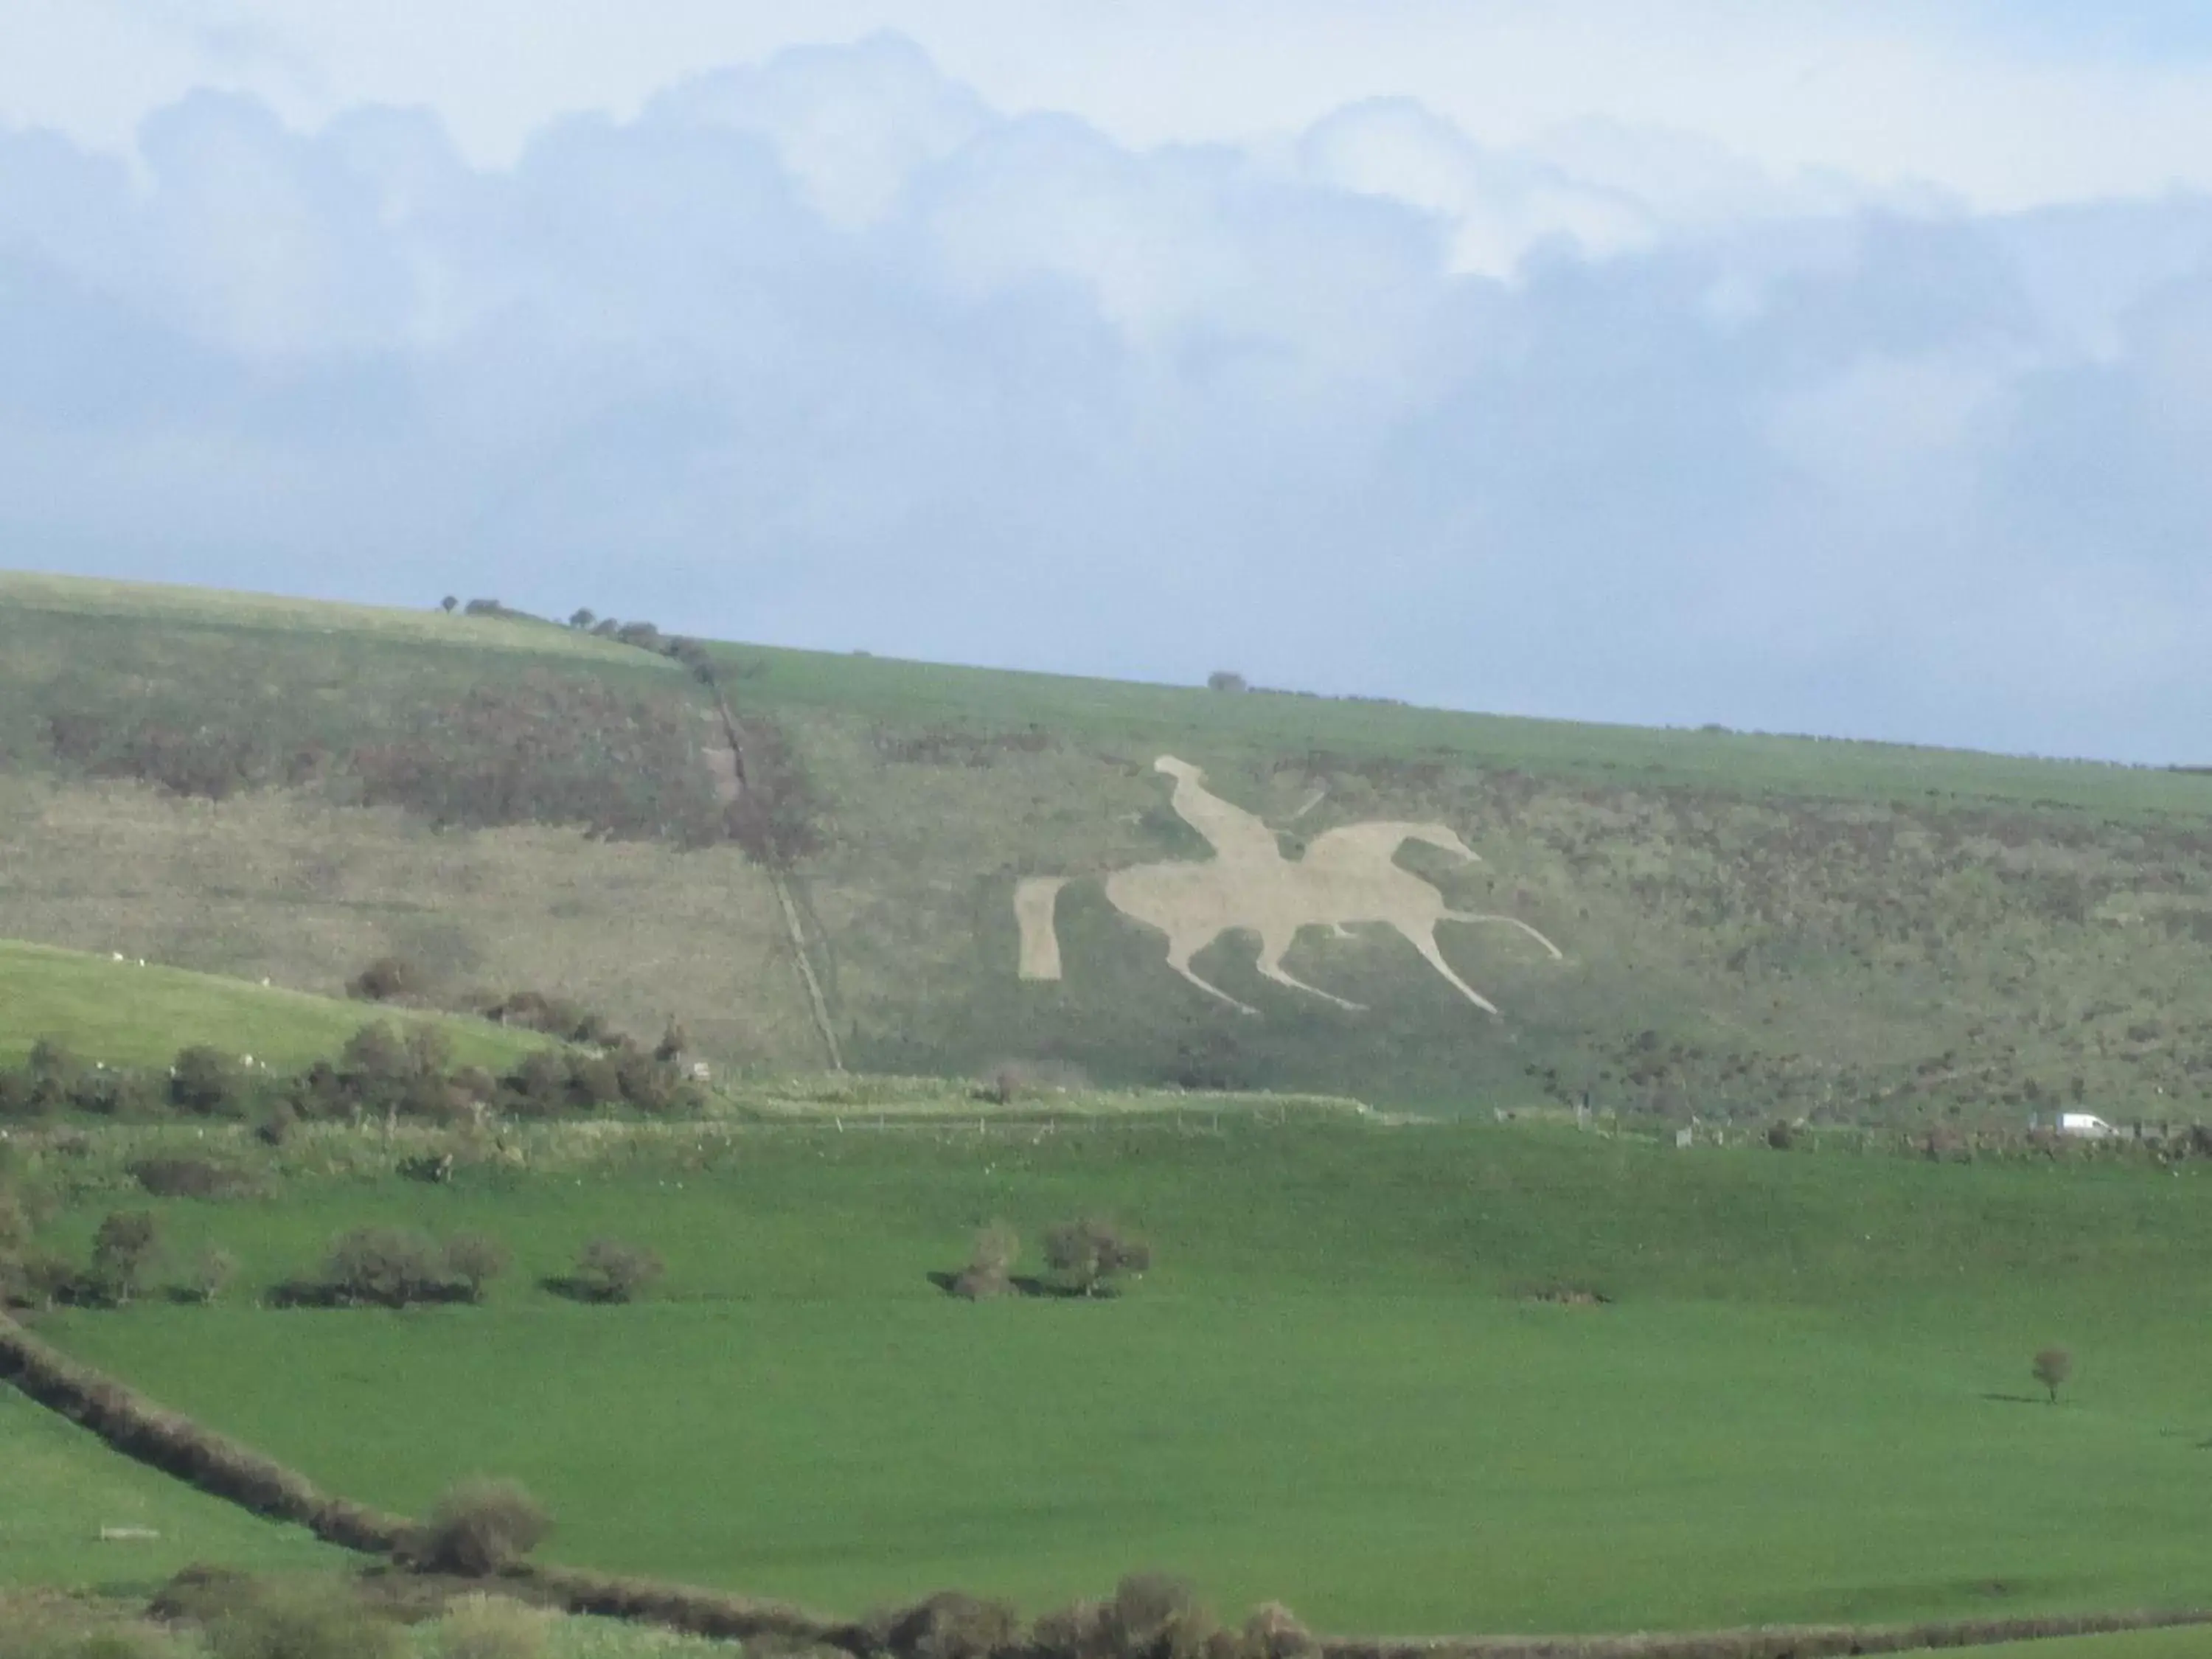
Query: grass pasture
pixel 122 1014
pixel 163 604
pixel 2183 1644
pixel 1807 1402
pixel 60 1486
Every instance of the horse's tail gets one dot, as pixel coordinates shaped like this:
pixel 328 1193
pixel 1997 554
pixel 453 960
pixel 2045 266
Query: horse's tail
pixel 1036 898
pixel 1510 922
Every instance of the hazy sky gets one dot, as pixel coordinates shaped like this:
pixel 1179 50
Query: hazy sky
pixel 1799 367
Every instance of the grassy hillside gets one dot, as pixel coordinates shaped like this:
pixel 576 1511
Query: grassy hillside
pixel 1751 925
pixel 123 1014
pixel 1808 1399
pixel 63 1486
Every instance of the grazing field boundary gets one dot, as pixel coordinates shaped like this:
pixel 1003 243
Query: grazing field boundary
pixel 1776 1641
pixel 175 1445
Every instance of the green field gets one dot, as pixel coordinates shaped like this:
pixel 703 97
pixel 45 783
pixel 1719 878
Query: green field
pixel 122 1014
pixel 2138 1644
pixel 1809 1400
pixel 62 1486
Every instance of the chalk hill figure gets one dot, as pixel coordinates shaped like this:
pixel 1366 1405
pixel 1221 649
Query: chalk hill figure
pixel 1346 876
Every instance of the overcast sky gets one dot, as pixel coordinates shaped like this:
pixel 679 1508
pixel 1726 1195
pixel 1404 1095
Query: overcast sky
pixel 1799 367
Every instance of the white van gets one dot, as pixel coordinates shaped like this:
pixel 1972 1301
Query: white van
pixel 2085 1125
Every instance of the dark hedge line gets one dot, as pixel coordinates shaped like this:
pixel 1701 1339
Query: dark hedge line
pixel 177 1446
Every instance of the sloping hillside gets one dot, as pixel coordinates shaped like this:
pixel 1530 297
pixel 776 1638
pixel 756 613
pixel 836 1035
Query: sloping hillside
pixel 121 1012
pixel 1743 924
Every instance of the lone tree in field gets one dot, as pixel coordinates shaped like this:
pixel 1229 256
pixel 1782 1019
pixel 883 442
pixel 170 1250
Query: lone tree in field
pixel 1089 1255
pixel 990 1266
pixel 475 1260
pixel 121 1252
pixel 608 1270
pixel 2052 1367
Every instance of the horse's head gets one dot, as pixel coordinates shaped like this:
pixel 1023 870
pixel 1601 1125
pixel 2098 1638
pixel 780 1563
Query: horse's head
pixel 1436 835
pixel 1181 770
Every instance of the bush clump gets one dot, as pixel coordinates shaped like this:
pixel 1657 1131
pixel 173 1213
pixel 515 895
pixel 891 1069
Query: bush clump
pixel 208 1276
pixel 204 1082
pixel 385 980
pixel 387 1266
pixel 474 1260
pixel 989 1271
pixel 1091 1256
pixel 609 1270
pixel 122 1250
pixel 480 1526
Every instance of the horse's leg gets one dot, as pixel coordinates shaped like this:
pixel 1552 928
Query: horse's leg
pixel 1425 941
pixel 1274 942
pixel 1510 922
pixel 1181 947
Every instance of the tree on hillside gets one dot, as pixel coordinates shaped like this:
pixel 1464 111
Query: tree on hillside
pixel 202 1080
pixel 1089 1255
pixel 2052 1367
pixel 384 979
pixel 990 1266
pixel 475 1260
pixel 448 604
pixel 121 1251
pixel 608 1270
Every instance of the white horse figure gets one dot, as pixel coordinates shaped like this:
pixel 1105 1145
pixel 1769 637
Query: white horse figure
pixel 1346 876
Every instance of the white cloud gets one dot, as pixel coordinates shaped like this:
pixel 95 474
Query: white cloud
pixel 831 350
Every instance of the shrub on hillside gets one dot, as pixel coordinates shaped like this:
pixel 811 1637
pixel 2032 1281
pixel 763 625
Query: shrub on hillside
pixel 1780 1136
pixel 204 1082
pixel 387 1266
pixel 104 1092
pixel 2051 1368
pixel 989 1271
pixel 1150 1616
pixel 553 748
pixel 1089 1256
pixel 385 979
pixel 555 1016
pixel 948 1625
pixel 475 1260
pixel 208 1276
pixel 609 1270
pixel 277 1123
pixel 122 1251
pixel 480 1526
pixel 19 1101
pixel 54 1070
pixel 373 1066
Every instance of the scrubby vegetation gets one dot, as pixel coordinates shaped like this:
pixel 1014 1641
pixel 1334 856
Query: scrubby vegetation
pixel 480 1526
pixel 404 1071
